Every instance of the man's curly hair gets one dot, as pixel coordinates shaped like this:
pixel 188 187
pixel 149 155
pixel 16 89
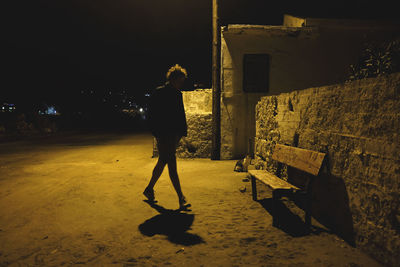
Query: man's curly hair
pixel 175 72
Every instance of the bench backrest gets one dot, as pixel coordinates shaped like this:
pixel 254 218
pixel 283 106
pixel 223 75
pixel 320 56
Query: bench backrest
pixel 302 159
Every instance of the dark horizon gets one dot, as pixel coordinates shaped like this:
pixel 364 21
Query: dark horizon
pixel 54 49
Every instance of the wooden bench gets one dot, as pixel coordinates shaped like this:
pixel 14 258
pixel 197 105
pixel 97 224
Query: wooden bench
pixel 305 160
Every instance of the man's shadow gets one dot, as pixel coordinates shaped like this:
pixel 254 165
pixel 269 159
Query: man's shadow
pixel 171 223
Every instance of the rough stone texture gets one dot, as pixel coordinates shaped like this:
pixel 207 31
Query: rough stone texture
pixel 358 125
pixel 198 142
pixel 198 101
pixel 198 108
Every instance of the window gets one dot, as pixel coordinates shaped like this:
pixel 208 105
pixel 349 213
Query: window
pixel 256 73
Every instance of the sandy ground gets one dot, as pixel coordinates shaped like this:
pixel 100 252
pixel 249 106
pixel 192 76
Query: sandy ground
pixel 77 200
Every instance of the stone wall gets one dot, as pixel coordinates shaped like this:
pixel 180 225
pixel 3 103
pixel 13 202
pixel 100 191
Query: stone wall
pixel 198 109
pixel 198 101
pixel 358 125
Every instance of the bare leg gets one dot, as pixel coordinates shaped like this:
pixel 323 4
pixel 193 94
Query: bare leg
pixel 157 171
pixel 173 174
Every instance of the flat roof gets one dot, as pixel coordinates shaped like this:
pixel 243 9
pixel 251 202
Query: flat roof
pixel 304 21
pixel 295 25
pixel 269 30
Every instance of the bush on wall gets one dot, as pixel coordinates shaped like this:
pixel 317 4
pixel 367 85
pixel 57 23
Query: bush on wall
pixel 377 59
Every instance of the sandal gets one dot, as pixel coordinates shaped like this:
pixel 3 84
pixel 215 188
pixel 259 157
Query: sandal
pixel 149 193
pixel 183 203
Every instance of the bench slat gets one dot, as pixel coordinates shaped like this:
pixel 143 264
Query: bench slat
pixel 303 159
pixel 271 180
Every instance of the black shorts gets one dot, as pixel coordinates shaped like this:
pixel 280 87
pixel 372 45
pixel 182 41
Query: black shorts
pixel 166 146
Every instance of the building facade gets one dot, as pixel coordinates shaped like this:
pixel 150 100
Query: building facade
pixel 261 60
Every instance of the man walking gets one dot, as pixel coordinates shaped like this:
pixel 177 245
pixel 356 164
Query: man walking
pixel 167 121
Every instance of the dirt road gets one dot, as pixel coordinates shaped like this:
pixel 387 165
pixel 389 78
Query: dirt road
pixel 77 200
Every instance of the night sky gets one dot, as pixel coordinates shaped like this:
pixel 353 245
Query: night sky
pixel 52 48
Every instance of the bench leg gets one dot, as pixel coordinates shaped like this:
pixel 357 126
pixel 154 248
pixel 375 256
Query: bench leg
pixel 275 205
pixel 307 218
pixel 253 188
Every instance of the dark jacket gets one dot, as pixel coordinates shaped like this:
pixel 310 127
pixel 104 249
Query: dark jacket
pixel 166 113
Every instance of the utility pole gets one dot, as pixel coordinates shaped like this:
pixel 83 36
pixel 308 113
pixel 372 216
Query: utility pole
pixel 216 84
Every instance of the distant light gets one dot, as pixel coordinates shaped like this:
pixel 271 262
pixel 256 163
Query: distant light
pixel 50 110
pixel 146 94
pixel 141 109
